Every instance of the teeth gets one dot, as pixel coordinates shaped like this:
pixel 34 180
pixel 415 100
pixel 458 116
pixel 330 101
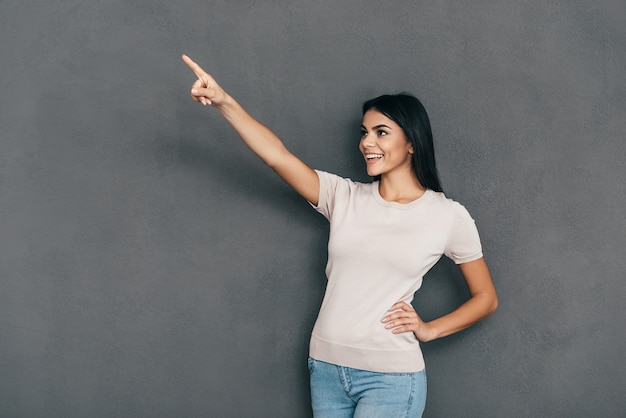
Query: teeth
pixel 370 156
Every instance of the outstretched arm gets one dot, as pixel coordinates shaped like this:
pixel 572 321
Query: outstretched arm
pixel 483 302
pixel 261 140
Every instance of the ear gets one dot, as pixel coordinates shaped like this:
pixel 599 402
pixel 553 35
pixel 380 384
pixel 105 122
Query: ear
pixel 410 148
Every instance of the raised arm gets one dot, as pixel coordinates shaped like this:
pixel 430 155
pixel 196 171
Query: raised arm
pixel 261 140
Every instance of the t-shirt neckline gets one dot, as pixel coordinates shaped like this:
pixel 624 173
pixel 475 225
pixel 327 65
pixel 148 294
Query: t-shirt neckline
pixel 409 205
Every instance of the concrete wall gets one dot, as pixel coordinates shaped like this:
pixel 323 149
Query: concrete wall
pixel 151 266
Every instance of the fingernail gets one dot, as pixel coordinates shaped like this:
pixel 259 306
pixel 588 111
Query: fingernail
pixel 194 91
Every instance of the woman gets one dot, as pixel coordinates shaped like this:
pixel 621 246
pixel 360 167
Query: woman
pixel 365 359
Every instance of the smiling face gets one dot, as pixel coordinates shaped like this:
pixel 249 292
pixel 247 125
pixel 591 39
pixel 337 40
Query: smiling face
pixel 384 145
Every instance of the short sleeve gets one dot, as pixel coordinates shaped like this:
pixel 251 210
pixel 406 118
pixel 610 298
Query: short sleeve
pixel 331 186
pixel 463 243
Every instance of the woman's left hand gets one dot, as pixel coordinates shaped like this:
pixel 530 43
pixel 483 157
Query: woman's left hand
pixel 404 319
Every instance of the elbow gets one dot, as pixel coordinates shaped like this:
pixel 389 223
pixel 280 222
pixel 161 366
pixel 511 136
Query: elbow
pixel 488 304
pixel 275 159
pixel 493 305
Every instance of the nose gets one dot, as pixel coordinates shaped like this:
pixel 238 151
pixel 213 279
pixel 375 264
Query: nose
pixel 367 141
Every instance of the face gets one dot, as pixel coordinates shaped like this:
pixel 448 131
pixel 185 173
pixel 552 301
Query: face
pixel 384 145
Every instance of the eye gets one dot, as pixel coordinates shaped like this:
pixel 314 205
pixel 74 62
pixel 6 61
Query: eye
pixel 381 132
pixel 363 133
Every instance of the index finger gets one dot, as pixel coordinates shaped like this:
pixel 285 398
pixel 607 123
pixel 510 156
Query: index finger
pixel 194 67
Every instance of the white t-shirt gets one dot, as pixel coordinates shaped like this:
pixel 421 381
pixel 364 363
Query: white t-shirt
pixel 378 253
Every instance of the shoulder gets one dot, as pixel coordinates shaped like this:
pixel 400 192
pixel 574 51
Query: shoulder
pixel 330 181
pixel 336 191
pixel 451 210
pixel 439 201
pixel 442 201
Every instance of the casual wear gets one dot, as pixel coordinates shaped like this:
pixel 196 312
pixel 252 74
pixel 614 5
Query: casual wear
pixel 344 392
pixel 378 253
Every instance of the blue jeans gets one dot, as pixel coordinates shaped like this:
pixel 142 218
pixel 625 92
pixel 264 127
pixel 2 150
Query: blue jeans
pixel 343 392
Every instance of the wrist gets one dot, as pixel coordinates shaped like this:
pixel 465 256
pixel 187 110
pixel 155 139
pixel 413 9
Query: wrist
pixel 432 332
pixel 228 106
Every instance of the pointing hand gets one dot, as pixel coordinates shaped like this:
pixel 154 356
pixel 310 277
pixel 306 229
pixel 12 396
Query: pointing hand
pixel 205 89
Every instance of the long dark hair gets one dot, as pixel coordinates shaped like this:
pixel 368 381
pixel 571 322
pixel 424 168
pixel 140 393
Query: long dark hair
pixel 408 112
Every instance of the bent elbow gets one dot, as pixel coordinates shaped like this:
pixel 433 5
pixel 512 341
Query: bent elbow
pixel 493 307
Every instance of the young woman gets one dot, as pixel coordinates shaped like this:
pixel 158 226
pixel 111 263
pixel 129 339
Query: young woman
pixel 365 358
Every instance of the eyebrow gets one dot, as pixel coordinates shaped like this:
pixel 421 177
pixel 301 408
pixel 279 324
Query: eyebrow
pixel 377 127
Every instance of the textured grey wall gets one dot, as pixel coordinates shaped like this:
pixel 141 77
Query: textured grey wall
pixel 150 266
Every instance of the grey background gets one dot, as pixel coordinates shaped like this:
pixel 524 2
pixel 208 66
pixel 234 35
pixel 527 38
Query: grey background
pixel 151 266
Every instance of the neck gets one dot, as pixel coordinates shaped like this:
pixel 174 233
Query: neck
pixel 400 187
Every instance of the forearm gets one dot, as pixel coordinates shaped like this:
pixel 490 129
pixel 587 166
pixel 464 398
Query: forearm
pixel 260 139
pixel 478 307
